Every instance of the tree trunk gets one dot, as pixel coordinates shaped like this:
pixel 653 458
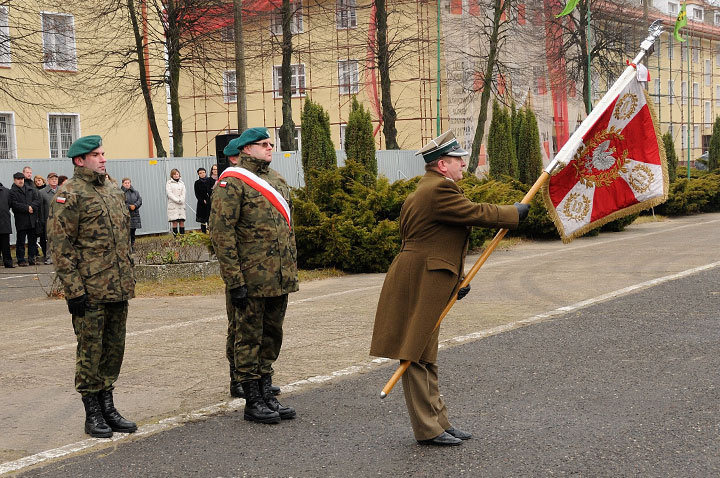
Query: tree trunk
pixel 240 68
pixel 388 112
pixel 582 35
pixel 287 129
pixel 173 48
pixel 498 8
pixel 144 83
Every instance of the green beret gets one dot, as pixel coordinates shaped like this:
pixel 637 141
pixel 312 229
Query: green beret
pixel 250 135
pixel 84 145
pixel 443 145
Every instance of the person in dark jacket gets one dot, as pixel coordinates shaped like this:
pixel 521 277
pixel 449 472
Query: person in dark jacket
pixel 26 204
pixel 40 185
pixel 203 190
pixel 133 201
pixel 5 226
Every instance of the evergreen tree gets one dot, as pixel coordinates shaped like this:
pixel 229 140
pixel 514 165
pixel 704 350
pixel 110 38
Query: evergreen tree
pixel 318 150
pixel 516 118
pixel 501 147
pixel 671 156
pixel 529 152
pixel 510 148
pixel 495 159
pixel 714 152
pixel 359 141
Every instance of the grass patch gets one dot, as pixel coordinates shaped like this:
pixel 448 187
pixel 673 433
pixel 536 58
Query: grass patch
pixel 210 285
pixel 650 218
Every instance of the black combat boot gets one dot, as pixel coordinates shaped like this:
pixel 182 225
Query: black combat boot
pixel 236 390
pixel 272 402
pixel 255 408
pixel 113 418
pixel 95 424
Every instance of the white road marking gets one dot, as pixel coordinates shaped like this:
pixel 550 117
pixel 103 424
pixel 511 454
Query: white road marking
pixel 235 404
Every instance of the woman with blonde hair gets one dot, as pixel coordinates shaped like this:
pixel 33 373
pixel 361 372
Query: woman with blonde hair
pixel 175 190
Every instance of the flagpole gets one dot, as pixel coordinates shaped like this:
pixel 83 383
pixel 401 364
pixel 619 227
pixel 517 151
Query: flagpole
pixel 561 158
pixel 688 108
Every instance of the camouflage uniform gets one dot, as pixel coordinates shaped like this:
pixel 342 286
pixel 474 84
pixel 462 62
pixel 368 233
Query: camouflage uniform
pixel 89 233
pixel 255 248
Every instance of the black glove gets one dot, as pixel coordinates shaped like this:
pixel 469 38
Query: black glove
pixel 463 292
pixel 238 296
pixel 522 210
pixel 77 305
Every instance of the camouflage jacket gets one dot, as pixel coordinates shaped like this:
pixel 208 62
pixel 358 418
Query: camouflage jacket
pixel 89 234
pixel 252 240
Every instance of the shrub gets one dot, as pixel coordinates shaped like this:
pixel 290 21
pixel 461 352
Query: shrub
pixel 359 141
pixel 318 151
pixel 691 196
pixel 188 247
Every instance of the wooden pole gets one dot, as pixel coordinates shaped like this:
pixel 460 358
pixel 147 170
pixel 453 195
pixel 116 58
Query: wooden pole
pixel 404 364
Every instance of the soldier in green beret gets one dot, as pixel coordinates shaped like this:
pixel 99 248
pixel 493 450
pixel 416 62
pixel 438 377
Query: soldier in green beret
pixel 251 231
pixel 89 233
pixel 435 224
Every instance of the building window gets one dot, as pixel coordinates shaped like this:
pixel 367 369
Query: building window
pixel 697 14
pixel 717 18
pixel 348 79
pixel 4 37
pixel 670 130
pixel 671 92
pixel 717 96
pixel 297 80
pixel 708 72
pixel 7 136
pixel 64 129
pixel 298 139
pixel 683 136
pixel 708 114
pixel 229 86
pixel 297 20
pixel 657 90
pixel 58 42
pixel 696 51
pixel 343 127
pixel 227 33
pixel 683 92
pixel 696 136
pixel 345 14
pixel 672 8
pixel 696 94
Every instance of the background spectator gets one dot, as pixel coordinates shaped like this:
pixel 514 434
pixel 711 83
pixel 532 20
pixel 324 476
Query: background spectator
pixel 133 201
pixel 42 216
pixel 52 184
pixel 175 190
pixel 203 189
pixel 26 203
pixel 5 226
pixel 213 172
pixel 61 180
pixel 28 176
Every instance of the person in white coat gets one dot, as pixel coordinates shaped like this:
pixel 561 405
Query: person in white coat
pixel 175 190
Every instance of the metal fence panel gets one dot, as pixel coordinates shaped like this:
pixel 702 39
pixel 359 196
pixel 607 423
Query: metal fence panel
pixel 149 176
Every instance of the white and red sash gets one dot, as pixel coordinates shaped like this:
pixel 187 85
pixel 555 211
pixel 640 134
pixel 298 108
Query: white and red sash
pixel 261 186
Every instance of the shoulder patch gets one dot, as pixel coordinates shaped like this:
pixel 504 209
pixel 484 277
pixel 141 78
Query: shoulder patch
pixel 222 184
pixel 59 199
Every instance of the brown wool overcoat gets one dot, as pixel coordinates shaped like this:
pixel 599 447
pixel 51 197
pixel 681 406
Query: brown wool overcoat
pixel 435 224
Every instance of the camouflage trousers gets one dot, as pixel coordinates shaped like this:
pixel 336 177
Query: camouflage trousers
pixel 254 336
pixel 100 346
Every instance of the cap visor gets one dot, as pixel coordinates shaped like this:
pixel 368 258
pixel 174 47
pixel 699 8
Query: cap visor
pixel 457 151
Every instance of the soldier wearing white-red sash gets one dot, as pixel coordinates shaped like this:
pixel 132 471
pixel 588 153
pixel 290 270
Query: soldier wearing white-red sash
pixel 251 231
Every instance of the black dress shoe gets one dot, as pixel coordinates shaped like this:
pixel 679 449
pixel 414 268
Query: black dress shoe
pixel 9 266
pixel 22 264
pixel 459 433
pixel 444 439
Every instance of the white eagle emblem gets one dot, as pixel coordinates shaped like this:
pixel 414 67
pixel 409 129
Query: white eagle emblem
pixel 602 157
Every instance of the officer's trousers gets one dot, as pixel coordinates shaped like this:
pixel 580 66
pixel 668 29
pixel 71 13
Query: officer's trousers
pixel 100 346
pixel 428 414
pixel 254 336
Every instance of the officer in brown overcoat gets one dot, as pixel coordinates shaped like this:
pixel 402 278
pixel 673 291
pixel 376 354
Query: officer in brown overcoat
pixel 435 224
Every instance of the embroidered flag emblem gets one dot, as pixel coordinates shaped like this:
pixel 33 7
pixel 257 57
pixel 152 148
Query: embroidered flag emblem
pixel 59 199
pixel 222 184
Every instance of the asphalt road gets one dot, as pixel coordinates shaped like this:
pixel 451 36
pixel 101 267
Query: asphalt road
pixel 626 387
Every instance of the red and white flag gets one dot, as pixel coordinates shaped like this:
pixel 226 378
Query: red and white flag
pixel 618 169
